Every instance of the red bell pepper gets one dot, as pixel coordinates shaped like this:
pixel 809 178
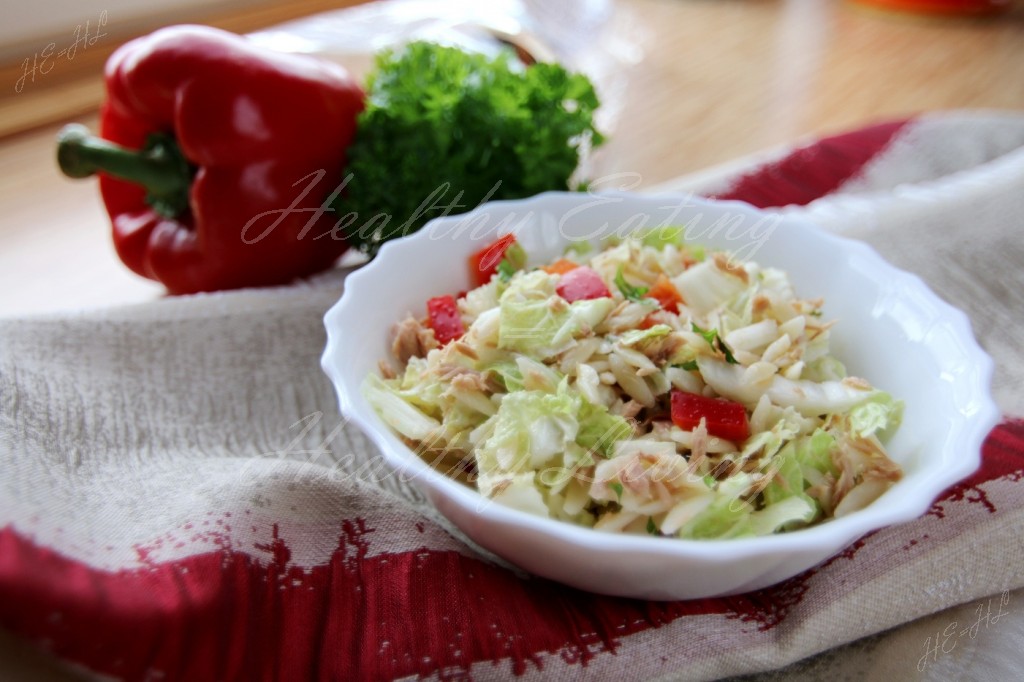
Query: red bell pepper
pixel 723 418
pixel 443 317
pixel 217 157
pixel 560 266
pixel 666 294
pixel 580 284
pixel 484 263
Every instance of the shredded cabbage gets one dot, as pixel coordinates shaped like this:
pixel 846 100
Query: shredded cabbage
pixel 564 408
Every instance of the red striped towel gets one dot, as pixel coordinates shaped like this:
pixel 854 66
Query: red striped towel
pixel 181 501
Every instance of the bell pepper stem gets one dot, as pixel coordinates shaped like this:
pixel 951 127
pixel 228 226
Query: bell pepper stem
pixel 160 168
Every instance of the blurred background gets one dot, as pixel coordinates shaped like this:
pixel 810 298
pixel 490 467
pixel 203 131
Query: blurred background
pixel 732 76
pixel 687 86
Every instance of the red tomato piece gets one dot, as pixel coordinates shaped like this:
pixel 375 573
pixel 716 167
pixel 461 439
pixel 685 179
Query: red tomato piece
pixel 484 263
pixel 723 418
pixel 443 317
pixel 581 284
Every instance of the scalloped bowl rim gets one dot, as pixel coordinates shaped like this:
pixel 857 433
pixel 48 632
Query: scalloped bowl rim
pixel 965 435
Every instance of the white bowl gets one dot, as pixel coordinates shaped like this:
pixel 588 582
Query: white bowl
pixel 892 330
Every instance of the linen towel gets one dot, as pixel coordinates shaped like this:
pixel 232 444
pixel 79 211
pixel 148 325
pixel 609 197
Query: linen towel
pixel 179 499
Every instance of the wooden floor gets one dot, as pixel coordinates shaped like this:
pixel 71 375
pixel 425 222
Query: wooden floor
pixel 713 80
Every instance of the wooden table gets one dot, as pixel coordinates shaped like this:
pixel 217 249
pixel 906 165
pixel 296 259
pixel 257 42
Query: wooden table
pixel 717 80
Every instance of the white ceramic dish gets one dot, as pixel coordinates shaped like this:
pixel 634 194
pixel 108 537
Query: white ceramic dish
pixel 892 330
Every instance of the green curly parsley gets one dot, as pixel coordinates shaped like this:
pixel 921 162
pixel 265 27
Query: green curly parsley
pixel 445 130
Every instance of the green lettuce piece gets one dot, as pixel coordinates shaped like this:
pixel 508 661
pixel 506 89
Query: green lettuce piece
pixel 397 412
pixel 794 462
pixel 771 441
pixel 685 356
pixel 878 415
pixel 529 429
pixel 420 388
pixel 642 338
pixel 600 429
pixel 791 512
pixel 789 476
pixel 532 323
pixel 508 373
pixel 728 516
pixel 660 237
pixel 536 376
pixel 583 316
pixel 580 248
pixel 531 426
pixel 673 235
pixel 420 394
pixel 527 320
pixel 825 368
pixel 705 287
pixel 459 421
pixel 520 491
pixel 815 452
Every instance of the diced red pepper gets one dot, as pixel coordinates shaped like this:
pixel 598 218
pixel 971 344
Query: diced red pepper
pixel 648 322
pixel 581 284
pixel 666 294
pixel 723 418
pixel 484 263
pixel 443 317
pixel 560 267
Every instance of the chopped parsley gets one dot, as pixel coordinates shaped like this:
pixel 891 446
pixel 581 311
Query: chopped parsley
pixel 617 487
pixel 716 342
pixel 629 292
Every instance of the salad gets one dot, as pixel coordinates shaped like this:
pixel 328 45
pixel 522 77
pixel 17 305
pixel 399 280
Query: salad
pixel 649 387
